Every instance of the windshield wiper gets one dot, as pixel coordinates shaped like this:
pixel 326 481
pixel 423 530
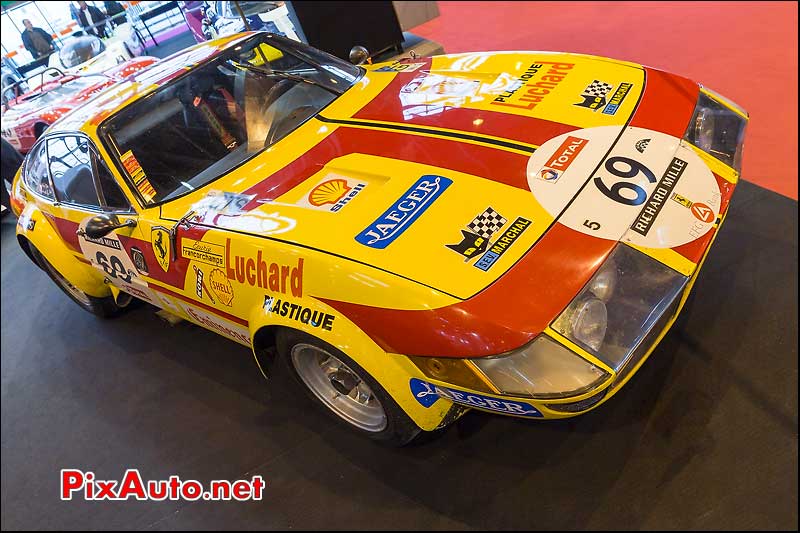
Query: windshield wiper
pixel 282 74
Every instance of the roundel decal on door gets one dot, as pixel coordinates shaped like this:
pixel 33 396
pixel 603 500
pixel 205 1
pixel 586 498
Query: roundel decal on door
pixel 650 189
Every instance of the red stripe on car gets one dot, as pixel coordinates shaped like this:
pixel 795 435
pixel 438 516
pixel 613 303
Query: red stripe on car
pixel 504 316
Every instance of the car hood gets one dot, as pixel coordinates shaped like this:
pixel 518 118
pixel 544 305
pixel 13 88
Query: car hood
pixel 450 174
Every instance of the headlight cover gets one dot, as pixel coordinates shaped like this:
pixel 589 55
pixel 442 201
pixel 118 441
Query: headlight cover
pixel 717 129
pixel 541 369
pixel 643 290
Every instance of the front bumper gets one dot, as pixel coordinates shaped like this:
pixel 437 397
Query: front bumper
pixel 428 391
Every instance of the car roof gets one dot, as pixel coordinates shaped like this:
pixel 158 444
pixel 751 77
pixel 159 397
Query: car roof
pixel 88 117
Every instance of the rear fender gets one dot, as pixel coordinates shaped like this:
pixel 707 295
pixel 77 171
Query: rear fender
pixel 34 229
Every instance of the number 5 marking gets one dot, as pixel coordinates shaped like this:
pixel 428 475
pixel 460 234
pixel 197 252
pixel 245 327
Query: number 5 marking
pixel 591 225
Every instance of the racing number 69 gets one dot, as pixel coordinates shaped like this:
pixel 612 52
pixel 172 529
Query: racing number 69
pixel 615 191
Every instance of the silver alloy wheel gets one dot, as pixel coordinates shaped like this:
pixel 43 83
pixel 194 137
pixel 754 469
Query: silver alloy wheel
pixel 338 387
pixel 69 287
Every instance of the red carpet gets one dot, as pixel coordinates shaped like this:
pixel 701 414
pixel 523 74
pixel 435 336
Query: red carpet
pixel 746 51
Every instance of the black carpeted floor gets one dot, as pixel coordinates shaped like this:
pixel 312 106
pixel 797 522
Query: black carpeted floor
pixel 704 437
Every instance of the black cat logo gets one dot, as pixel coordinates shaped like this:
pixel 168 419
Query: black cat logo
pixel 470 245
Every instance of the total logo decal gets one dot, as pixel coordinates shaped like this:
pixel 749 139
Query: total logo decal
pixel 475 239
pixel 333 193
pixel 401 214
pixel 562 159
pixel 258 272
pixel 427 394
pixel 627 196
pixel 594 96
pixel 297 312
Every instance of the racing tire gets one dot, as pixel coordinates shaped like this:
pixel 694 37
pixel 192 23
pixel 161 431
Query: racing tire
pixel 340 387
pixel 105 307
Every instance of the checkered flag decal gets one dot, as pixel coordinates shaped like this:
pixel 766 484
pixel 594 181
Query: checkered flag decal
pixel 598 88
pixel 487 223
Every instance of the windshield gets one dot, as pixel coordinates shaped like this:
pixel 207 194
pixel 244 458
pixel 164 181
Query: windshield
pixel 80 50
pixel 223 112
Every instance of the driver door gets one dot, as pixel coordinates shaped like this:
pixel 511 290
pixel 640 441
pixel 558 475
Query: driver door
pixel 84 188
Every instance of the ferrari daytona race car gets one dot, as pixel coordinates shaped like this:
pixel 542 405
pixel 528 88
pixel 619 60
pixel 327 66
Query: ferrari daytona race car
pixel 510 232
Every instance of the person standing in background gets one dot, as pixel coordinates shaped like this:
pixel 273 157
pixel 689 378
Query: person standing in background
pixel 92 20
pixel 37 41
pixel 115 12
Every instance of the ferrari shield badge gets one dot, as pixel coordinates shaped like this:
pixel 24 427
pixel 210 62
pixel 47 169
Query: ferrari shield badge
pixel 160 242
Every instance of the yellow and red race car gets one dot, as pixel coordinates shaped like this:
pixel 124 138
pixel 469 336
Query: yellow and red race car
pixel 513 232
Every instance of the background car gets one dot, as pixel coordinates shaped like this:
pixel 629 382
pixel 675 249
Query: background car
pixel 223 18
pixel 26 116
pixel 84 53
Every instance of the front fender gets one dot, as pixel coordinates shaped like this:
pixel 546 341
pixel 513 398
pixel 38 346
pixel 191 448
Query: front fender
pixel 392 371
pixel 35 229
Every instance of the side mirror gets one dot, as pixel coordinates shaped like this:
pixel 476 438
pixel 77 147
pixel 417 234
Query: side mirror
pixel 358 55
pixel 101 225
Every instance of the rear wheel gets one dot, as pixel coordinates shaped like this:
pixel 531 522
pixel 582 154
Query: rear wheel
pixel 345 390
pixel 105 307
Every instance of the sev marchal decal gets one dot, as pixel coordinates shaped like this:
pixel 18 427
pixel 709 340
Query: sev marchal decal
pixel 476 238
pixel 594 96
pixel 627 196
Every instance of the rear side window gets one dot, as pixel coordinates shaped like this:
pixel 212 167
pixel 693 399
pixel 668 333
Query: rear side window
pixel 115 199
pixel 71 170
pixel 35 176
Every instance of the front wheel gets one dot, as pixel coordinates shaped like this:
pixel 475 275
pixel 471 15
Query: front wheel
pixel 345 390
pixel 105 307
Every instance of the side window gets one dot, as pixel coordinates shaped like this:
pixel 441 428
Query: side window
pixel 71 170
pixel 114 198
pixel 35 175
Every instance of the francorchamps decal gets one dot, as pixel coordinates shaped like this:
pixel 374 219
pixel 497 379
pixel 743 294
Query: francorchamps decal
pixel 159 238
pixel 204 252
pixel 427 394
pixel 401 214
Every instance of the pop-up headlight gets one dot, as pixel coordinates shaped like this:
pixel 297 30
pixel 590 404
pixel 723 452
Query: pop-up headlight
pixel 717 127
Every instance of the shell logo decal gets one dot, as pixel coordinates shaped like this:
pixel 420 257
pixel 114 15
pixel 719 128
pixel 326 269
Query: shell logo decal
pixel 328 192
